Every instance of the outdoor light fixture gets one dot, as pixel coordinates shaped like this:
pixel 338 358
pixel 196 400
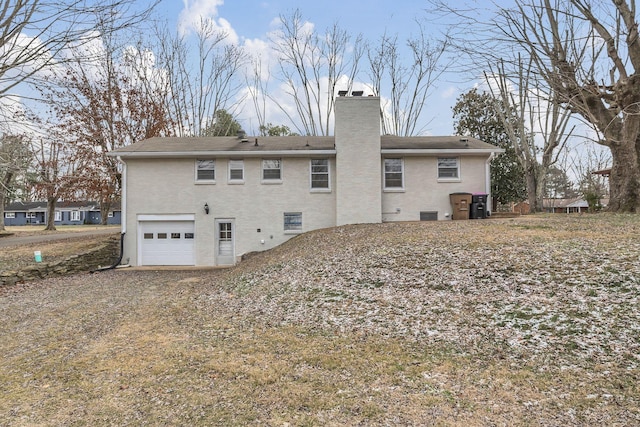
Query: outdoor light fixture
pixel 206 208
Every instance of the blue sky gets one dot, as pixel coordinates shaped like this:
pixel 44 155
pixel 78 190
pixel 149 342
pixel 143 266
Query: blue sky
pixel 252 20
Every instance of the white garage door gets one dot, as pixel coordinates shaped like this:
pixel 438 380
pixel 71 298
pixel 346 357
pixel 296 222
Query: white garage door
pixel 167 242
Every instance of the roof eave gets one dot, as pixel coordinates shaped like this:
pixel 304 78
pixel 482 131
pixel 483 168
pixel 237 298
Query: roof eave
pixel 215 153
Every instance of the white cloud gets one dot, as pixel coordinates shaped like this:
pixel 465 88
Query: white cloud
pixel 449 92
pixel 197 14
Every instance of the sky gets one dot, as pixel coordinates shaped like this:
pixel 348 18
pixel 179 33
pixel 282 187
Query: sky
pixel 250 21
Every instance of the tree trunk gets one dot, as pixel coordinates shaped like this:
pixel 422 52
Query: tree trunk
pixel 4 185
pixel 532 195
pixel 51 213
pixel 624 180
pixel 105 206
pixel 2 209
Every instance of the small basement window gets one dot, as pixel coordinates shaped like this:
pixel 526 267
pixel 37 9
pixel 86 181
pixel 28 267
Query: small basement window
pixel 293 221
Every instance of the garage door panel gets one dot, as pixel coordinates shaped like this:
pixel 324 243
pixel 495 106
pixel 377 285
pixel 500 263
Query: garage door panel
pixel 167 242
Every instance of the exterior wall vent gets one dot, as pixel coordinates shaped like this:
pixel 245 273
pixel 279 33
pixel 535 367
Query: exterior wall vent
pixel 429 216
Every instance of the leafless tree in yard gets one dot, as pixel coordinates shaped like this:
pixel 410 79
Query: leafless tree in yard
pixel 35 34
pixel 203 82
pixel 312 65
pixel 539 134
pixel 14 159
pixel 411 79
pixel 96 107
pixel 588 53
pixel 60 167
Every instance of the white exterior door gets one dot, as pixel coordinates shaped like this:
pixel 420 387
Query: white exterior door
pixel 166 242
pixel 225 242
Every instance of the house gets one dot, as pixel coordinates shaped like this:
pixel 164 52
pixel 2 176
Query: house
pixel 66 213
pixel 208 201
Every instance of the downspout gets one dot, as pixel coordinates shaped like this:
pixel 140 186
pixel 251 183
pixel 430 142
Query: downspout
pixel 123 219
pixel 487 184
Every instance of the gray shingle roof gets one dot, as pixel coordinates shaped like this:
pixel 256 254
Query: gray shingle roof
pixel 293 144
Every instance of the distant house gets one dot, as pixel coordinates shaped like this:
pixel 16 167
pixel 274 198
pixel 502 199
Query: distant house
pixel 570 205
pixel 66 213
pixel 208 201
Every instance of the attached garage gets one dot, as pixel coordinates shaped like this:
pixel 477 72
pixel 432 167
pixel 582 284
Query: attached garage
pixel 166 240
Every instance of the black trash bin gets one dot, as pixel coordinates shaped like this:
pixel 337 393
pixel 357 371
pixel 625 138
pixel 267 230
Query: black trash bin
pixel 478 206
pixel 478 211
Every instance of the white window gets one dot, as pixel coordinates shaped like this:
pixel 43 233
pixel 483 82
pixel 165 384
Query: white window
pixel 57 216
pixel 110 215
pixel 293 221
pixel 75 215
pixel 9 214
pixel 448 168
pixel 236 171
pixel 271 169
pixel 205 170
pixel 31 215
pixel 320 174
pixel 393 174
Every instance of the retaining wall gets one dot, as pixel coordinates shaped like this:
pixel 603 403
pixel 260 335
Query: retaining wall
pixel 103 255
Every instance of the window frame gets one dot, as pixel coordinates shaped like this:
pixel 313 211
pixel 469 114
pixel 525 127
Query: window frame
pixel 441 178
pixel 326 189
pixel 292 222
pixel 263 169
pixel 199 180
pixel 10 215
pixel 386 172
pixel 75 216
pixel 57 216
pixel 30 215
pixel 231 162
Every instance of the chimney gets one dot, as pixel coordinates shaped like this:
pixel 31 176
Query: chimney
pixel 358 160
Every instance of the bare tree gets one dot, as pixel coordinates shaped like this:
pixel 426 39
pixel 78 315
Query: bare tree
pixel 35 34
pixel 311 66
pixel 196 90
pixel 591 171
pixel 258 92
pixel 98 106
pixel 59 166
pixel 538 133
pixel 411 78
pixel 590 55
pixel 14 159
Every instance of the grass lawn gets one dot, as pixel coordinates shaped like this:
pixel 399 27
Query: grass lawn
pixel 526 321
pixel 19 256
pixel 30 230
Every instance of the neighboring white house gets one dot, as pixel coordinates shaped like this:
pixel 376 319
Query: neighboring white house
pixel 208 201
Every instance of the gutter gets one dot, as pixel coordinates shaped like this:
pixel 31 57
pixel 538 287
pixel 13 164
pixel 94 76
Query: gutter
pixel 487 184
pixel 123 218
pixel 235 153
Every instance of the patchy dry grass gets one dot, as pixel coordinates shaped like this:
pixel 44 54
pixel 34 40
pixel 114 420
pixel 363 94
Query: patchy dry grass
pixel 528 321
pixel 17 257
